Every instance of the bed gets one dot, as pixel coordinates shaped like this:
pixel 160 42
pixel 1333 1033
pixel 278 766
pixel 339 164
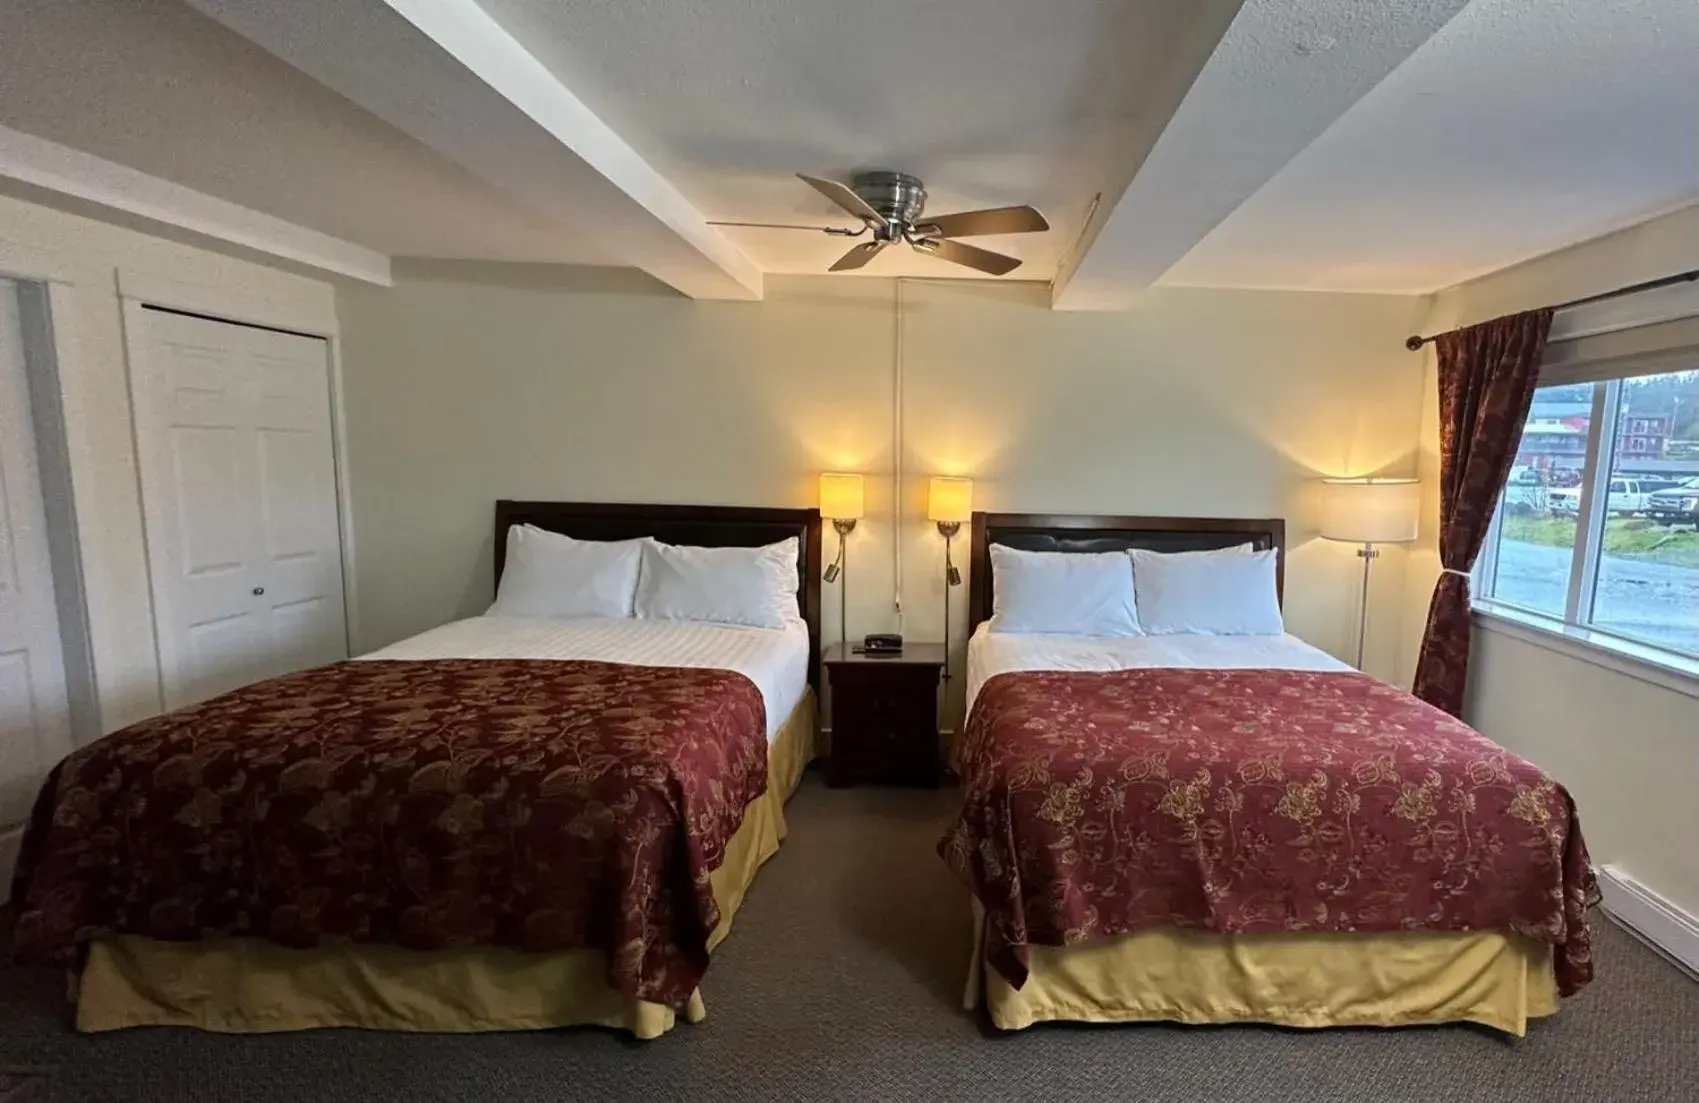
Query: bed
pixel 503 823
pixel 1219 829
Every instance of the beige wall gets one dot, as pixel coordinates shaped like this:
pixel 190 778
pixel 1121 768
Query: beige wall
pixel 1625 747
pixel 470 383
pixel 84 260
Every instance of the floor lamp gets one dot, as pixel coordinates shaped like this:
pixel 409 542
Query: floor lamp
pixel 842 503
pixel 1369 512
pixel 949 502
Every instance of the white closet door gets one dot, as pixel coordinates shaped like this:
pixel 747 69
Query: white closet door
pixel 35 724
pixel 239 492
pixel 299 538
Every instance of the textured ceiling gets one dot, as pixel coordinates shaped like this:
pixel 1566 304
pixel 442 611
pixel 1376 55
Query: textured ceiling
pixel 991 102
pixel 160 88
pixel 1518 127
pixel 1522 126
pixel 1280 76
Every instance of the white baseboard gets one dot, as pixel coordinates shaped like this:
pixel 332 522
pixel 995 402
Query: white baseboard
pixel 1657 922
pixel 10 840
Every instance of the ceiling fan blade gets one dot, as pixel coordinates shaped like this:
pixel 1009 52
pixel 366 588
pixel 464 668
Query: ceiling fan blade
pixel 859 256
pixel 972 256
pixel 844 197
pixel 835 231
pixel 992 220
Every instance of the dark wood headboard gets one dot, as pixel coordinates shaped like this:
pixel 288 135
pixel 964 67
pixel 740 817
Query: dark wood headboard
pixel 1082 533
pixel 701 526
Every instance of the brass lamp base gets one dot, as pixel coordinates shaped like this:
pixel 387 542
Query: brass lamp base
pixel 952 578
pixel 845 526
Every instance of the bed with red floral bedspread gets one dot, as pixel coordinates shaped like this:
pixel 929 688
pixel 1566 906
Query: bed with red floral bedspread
pixel 1106 803
pixel 542 805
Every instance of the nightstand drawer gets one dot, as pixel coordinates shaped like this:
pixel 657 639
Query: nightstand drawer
pixel 884 723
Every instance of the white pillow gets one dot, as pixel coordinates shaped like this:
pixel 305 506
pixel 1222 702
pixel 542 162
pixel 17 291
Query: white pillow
pixel 753 586
pixel 1071 593
pixel 1246 548
pixel 550 575
pixel 1207 595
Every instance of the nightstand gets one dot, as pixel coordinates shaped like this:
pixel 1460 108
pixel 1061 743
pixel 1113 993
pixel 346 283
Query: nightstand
pixel 885 716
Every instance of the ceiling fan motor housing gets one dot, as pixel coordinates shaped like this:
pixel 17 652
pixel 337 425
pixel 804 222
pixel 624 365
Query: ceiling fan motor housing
pixel 891 206
pixel 898 197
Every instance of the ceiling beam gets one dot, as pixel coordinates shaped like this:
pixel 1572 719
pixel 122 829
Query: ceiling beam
pixel 1281 75
pixel 57 168
pixel 446 73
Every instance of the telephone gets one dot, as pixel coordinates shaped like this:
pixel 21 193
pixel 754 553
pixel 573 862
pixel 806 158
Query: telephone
pixel 882 643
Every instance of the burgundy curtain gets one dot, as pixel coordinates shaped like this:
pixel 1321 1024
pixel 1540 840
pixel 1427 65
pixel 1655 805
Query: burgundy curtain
pixel 1487 374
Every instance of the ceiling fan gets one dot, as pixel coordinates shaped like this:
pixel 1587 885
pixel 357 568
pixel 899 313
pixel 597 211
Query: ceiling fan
pixel 891 206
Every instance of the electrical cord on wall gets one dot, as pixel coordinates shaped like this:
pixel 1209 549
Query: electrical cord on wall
pixel 897 460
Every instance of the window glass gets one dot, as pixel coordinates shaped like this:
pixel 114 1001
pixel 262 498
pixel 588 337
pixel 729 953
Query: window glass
pixel 1648 582
pixel 1537 530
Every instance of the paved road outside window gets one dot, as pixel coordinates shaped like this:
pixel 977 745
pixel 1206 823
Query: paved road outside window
pixel 1653 602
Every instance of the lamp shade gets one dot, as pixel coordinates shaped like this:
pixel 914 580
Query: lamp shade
pixel 840 497
pixel 1370 511
pixel 949 499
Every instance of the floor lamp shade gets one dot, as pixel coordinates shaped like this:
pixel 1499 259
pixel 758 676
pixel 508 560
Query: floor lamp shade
pixel 1370 511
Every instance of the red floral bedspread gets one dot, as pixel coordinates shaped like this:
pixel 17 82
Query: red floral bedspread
pixel 541 805
pixel 1254 800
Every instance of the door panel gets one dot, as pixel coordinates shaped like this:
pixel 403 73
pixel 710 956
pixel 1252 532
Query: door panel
pixel 219 655
pixel 300 535
pixel 210 543
pixel 35 723
pixel 302 634
pixel 193 428
pixel 239 490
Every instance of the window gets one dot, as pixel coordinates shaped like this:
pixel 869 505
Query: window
pixel 1648 585
pixel 1538 515
pixel 1599 524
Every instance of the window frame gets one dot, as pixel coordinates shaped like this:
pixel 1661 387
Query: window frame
pixel 1574 633
pixel 1666 669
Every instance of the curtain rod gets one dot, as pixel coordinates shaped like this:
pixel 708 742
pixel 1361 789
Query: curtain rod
pixel 1414 343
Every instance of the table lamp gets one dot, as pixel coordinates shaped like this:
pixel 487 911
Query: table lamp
pixel 1369 512
pixel 841 502
pixel 949 502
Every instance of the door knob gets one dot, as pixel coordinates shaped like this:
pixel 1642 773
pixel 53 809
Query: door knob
pixel 259 590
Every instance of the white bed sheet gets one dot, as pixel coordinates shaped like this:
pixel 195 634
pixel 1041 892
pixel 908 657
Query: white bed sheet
pixel 993 653
pixel 775 659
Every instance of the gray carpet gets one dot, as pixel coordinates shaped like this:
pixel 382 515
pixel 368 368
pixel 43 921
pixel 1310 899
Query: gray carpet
pixel 842 980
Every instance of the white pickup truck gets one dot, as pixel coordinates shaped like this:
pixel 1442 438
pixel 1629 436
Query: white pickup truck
pixel 1627 497
pixel 1676 505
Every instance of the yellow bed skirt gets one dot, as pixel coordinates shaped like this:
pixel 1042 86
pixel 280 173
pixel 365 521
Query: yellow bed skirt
pixel 248 985
pixel 1403 978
